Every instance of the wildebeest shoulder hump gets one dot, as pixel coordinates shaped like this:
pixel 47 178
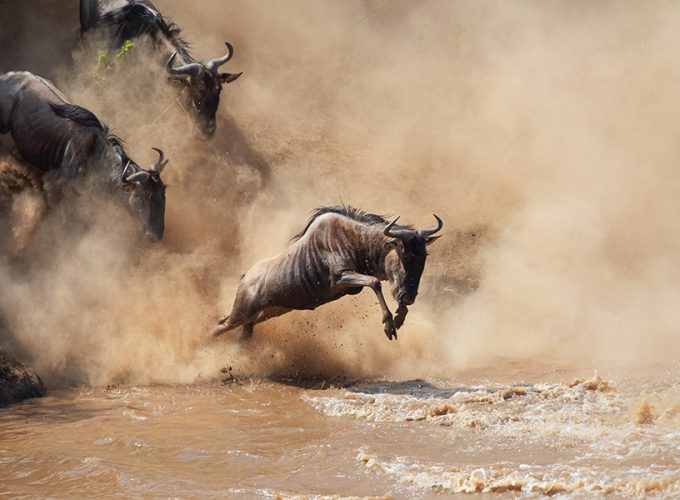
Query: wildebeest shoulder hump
pixel 348 211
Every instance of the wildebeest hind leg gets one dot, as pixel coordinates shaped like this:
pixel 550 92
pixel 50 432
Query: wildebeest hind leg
pixel 224 324
pixel 269 312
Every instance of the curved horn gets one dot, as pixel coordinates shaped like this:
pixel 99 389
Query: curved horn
pixel 123 177
pixel 140 176
pixel 216 63
pixel 397 233
pixel 187 69
pixel 429 232
pixel 160 164
pixel 388 228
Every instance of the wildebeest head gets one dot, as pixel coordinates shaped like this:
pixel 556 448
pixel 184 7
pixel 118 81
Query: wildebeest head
pixel 204 85
pixel 406 263
pixel 146 199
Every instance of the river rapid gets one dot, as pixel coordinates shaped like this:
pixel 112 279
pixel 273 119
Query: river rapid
pixel 512 430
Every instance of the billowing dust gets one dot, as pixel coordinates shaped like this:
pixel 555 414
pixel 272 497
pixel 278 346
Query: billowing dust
pixel 544 134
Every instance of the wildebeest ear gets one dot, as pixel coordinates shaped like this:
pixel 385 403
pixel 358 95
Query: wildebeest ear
pixel 229 77
pixel 432 239
pixel 391 244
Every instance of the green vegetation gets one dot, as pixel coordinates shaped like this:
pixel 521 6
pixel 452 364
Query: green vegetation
pixel 103 61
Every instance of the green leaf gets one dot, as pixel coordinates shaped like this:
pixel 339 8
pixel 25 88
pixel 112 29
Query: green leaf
pixel 125 48
pixel 101 58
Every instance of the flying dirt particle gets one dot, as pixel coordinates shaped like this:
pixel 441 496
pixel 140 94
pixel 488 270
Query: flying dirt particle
pixel 645 413
pixel 596 383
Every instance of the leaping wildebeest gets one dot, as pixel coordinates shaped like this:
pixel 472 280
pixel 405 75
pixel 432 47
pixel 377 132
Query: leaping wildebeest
pixel 54 135
pixel 201 84
pixel 340 251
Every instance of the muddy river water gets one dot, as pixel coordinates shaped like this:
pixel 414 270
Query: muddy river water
pixel 528 433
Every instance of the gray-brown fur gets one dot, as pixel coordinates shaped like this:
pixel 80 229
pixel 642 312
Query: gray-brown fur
pixel 56 136
pixel 340 251
pixel 200 84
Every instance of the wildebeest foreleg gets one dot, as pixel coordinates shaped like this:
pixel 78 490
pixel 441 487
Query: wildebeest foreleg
pixel 399 318
pixel 350 279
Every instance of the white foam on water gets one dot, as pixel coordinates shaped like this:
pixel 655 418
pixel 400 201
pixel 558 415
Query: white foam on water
pixel 581 437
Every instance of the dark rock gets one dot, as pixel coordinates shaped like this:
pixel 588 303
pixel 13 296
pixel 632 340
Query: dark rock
pixel 17 382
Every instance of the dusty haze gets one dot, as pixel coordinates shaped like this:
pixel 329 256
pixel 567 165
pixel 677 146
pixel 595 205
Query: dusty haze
pixel 544 134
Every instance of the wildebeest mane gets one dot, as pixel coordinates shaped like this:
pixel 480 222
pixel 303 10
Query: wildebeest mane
pixel 136 19
pixel 77 114
pixel 87 118
pixel 350 212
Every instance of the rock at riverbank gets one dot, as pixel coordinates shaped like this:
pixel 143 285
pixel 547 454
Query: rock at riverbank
pixel 17 382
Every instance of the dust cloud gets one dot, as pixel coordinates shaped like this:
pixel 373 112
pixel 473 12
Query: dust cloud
pixel 542 133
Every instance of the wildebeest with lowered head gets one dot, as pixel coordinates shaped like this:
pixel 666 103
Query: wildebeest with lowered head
pixel 201 84
pixel 341 251
pixel 54 135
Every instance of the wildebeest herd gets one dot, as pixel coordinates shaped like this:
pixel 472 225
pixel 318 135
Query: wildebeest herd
pixel 340 251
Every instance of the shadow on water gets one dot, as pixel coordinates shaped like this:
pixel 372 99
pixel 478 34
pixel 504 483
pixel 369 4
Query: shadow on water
pixel 63 406
pixel 421 389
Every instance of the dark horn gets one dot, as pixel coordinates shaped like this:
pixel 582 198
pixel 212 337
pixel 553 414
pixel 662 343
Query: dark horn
pixel 216 63
pixel 160 164
pixel 429 232
pixel 402 234
pixel 187 69
pixel 388 228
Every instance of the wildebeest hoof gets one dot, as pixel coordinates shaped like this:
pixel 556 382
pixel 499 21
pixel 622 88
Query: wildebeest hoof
pixel 390 330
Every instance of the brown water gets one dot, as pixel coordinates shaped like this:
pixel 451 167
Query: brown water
pixel 539 433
